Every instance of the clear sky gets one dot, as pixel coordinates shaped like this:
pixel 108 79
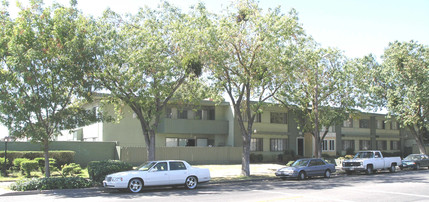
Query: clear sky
pixel 358 27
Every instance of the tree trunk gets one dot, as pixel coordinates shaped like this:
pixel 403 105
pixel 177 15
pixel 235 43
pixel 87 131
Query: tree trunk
pixel 46 155
pixel 419 139
pixel 151 146
pixel 245 157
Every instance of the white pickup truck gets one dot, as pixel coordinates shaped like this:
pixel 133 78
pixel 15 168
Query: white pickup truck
pixel 370 161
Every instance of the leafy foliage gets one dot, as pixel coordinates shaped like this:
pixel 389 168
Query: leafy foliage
pixel 61 157
pixel 71 169
pixel 17 162
pixel 47 56
pixel 98 170
pixel 28 166
pixel 248 50
pixel 50 183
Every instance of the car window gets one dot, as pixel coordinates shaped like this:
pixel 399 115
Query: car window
pixel 313 163
pixel 146 166
pixel 161 166
pixel 377 155
pixel 177 166
pixel 300 163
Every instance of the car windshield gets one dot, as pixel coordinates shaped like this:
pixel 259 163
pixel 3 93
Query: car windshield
pixel 300 163
pixel 413 157
pixel 146 166
pixel 363 155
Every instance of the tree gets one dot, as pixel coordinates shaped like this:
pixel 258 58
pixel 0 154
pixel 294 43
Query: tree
pixel 401 84
pixel 149 57
pixel 320 89
pixel 46 58
pixel 248 50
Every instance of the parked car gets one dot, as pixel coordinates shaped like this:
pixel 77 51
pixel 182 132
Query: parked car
pixel 158 173
pixel 415 161
pixel 371 161
pixel 308 167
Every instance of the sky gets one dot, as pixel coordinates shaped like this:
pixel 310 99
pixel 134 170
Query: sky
pixel 357 27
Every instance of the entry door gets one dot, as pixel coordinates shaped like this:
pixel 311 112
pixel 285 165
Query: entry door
pixel 300 146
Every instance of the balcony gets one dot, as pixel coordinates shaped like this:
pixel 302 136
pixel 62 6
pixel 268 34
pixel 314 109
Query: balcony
pixel 189 126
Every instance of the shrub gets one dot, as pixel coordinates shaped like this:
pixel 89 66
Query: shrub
pixel 350 151
pixel 41 164
pixel 61 157
pixel 50 183
pixel 348 157
pixel 17 162
pixel 71 169
pixel 2 162
pixel 28 166
pixel 98 170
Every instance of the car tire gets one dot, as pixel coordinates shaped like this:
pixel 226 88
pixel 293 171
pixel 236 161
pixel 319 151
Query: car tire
pixel 301 175
pixel 392 168
pixel 369 170
pixel 417 167
pixel 191 182
pixel 135 185
pixel 327 173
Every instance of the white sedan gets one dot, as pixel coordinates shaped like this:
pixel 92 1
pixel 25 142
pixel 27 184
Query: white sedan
pixel 158 173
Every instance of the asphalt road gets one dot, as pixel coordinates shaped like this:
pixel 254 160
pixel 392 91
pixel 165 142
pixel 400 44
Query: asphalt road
pixel 384 186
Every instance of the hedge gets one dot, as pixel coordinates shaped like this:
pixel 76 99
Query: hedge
pixel 50 183
pixel 61 157
pixel 28 166
pixel 98 170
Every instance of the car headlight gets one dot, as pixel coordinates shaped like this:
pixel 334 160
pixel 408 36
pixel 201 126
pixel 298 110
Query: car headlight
pixel 117 179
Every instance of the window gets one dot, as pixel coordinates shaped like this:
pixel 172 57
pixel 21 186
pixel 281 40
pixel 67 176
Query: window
pixel 364 123
pixel 348 123
pixel 381 124
pixel 394 145
pixel 348 144
pixel 328 145
pixel 381 144
pixel 364 144
pixel 177 166
pixel 171 142
pixel 278 117
pixel 202 142
pixel 207 113
pixel 256 144
pixel 278 144
pixel 395 125
pixel 316 162
pixel 161 166
pixel 182 114
pixel 168 113
pixel 258 118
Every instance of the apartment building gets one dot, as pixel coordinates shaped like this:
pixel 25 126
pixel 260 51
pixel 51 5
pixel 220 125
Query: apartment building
pixel 274 131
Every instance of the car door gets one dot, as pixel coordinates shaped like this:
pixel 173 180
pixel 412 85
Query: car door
pixel 314 167
pixel 425 160
pixel 178 172
pixel 158 175
pixel 378 161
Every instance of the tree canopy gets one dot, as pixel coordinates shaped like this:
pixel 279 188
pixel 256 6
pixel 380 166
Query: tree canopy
pixel 46 57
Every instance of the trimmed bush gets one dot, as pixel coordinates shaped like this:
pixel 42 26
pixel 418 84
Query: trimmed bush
pixel 50 183
pixel 71 169
pixel 41 162
pixel 256 158
pixel 2 162
pixel 17 162
pixel 98 170
pixel 61 157
pixel 28 166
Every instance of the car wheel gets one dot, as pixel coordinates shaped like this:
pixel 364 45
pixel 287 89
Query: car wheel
pixel 392 168
pixel 191 182
pixel 135 185
pixel 369 170
pixel 327 174
pixel 301 175
pixel 417 166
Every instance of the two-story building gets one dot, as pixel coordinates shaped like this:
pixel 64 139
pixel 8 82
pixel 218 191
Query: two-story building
pixel 204 132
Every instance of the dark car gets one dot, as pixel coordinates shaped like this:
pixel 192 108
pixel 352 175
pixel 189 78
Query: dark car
pixel 309 167
pixel 415 161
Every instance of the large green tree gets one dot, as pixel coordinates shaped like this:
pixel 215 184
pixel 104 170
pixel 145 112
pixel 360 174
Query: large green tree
pixel 248 50
pixel 319 89
pixel 401 85
pixel 150 56
pixel 46 57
